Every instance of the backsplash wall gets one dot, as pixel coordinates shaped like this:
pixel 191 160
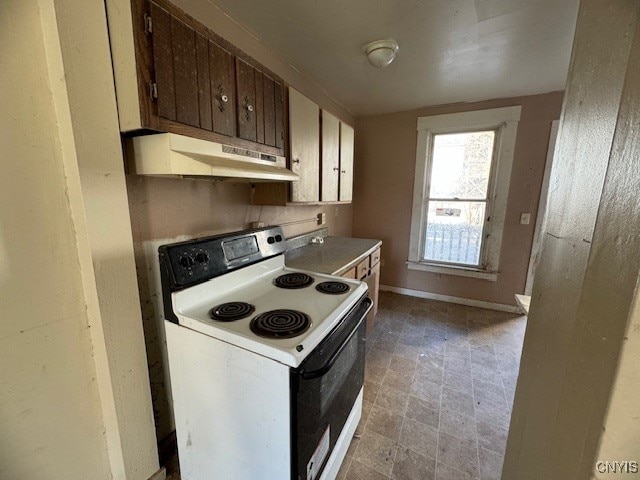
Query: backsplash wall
pixel 163 209
pixel 168 207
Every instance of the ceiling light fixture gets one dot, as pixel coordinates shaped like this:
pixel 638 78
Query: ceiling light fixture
pixel 381 52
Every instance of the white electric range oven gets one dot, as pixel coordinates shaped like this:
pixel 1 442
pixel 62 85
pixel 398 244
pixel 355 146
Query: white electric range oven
pixel 266 362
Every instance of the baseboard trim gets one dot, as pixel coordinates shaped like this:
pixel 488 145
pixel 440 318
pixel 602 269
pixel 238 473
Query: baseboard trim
pixel 501 307
pixel 159 475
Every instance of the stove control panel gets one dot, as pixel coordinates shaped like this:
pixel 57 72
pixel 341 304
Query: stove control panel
pixel 189 263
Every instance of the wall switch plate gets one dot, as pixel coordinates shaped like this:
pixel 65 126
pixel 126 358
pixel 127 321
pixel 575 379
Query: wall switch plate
pixel 322 218
pixel 525 218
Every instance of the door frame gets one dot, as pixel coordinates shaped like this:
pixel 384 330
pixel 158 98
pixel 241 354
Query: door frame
pixel 541 217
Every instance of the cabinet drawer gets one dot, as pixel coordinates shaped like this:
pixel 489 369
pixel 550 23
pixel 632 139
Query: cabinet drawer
pixel 362 269
pixel 374 258
pixel 351 273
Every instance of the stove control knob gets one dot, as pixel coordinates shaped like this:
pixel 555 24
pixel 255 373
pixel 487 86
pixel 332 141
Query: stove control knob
pixel 186 261
pixel 271 240
pixel 278 238
pixel 202 257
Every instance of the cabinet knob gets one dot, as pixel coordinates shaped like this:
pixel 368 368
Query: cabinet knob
pixel 344 171
pixel 336 169
pixel 248 108
pixel 297 160
pixel 222 98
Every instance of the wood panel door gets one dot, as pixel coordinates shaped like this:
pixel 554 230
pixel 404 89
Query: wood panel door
pixel 223 89
pixel 279 98
pixel 176 68
pixel 330 157
pixel 246 104
pixel 304 131
pixel 346 162
pixel 269 104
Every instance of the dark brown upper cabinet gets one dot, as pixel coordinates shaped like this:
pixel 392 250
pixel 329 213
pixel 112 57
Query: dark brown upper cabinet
pixel 175 75
pixel 223 89
pixel 246 105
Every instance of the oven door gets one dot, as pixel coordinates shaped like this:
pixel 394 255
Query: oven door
pixel 323 391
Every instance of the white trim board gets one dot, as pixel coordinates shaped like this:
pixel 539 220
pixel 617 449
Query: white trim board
pixel 505 121
pixel 500 307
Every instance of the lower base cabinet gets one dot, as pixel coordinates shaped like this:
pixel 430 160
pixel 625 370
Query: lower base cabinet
pixel 368 270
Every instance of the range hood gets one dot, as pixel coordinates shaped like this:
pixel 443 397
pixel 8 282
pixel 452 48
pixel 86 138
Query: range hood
pixel 168 154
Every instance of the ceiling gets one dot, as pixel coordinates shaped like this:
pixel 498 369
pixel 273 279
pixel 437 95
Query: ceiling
pixel 450 50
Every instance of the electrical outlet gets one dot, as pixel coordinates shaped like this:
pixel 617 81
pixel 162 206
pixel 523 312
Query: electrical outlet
pixel 322 218
pixel 257 224
pixel 525 218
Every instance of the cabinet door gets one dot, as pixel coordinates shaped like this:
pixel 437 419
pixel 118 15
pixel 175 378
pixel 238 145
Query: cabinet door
pixel 346 162
pixel 204 82
pixel 304 130
pixel 223 90
pixel 259 106
pixel 330 157
pixel 175 68
pixel 246 87
pixel 279 94
pixel 269 104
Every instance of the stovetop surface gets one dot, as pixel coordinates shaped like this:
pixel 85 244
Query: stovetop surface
pixel 255 286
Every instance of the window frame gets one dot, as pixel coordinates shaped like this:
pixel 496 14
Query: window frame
pixel 504 121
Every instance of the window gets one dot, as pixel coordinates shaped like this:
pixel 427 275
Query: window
pixel 463 167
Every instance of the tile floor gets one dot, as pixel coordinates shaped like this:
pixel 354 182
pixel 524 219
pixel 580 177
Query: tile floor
pixel 439 385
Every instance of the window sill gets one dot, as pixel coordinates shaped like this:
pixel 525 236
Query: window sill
pixel 454 270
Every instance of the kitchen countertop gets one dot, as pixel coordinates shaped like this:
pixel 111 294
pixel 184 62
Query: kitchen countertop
pixel 334 257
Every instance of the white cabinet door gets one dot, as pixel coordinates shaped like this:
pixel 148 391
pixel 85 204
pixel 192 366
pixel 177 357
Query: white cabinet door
pixel 330 157
pixel 304 132
pixel 346 162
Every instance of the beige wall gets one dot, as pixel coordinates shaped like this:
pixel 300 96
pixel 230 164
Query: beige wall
pixel 383 195
pixel 84 98
pixel 75 400
pixel 170 207
pixel 584 288
pixel 50 409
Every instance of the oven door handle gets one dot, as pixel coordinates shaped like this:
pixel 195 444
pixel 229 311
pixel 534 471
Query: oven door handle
pixel 318 372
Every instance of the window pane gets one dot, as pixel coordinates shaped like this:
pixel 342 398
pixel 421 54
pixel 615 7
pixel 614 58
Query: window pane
pixel 454 232
pixel 461 164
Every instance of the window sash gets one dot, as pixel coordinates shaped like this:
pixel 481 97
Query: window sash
pixel 482 259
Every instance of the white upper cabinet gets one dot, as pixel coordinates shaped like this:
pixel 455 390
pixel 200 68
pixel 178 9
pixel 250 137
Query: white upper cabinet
pixel 304 135
pixel 346 162
pixel 330 157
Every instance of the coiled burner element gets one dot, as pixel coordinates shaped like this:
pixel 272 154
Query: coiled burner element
pixel 280 324
pixel 332 288
pixel 293 280
pixel 228 312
